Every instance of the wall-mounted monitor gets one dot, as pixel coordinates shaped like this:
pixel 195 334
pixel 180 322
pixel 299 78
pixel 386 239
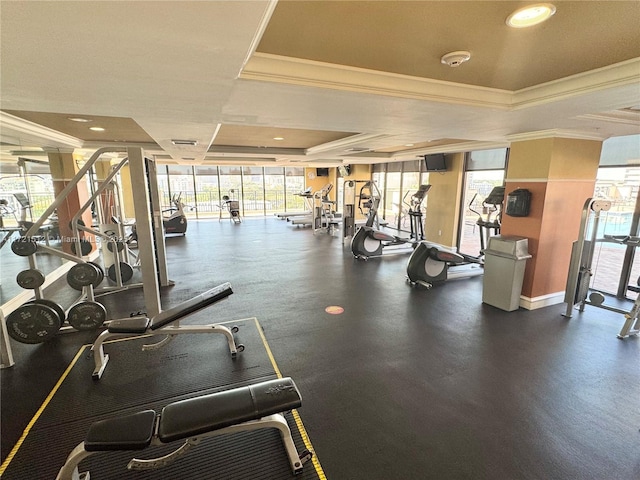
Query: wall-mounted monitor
pixel 344 170
pixel 435 162
pixel 322 172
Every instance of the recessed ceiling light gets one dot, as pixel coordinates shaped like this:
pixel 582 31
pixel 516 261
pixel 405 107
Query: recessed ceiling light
pixel 80 119
pixel 278 138
pixel 97 129
pixel 531 15
pixel 408 144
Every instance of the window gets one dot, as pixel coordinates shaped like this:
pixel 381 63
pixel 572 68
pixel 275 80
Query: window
pixel 483 171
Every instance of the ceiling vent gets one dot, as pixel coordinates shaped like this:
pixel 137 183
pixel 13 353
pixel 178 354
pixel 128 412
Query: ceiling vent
pixel 188 143
pixel 357 149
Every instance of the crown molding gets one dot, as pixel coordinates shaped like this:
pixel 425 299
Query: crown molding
pixel 296 71
pixel 45 136
pixel 555 133
pixel 620 74
pixel 344 143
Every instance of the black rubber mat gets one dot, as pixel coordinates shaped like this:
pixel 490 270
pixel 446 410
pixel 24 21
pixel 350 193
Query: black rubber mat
pixel 189 363
pixel 134 380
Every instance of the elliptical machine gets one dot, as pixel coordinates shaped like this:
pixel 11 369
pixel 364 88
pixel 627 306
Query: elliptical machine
pixel 173 218
pixel 431 263
pixel 370 241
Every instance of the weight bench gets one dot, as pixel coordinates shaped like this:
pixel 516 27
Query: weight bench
pixel 165 323
pixel 240 409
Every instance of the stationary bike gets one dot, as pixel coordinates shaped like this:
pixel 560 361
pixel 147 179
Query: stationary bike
pixel 431 263
pixel 370 241
pixel 173 218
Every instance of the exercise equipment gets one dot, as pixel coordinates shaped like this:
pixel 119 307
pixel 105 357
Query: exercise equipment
pixel 308 206
pixel 369 241
pixel 173 219
pixel 632 317
pixel 31 278
pixel 315 203
pixel 578 292
pixel 256 406
pixel 431 263
pixel 490 219
pixel 87 315
pixel 231 205
pixel 33 322
pixel 165 323
pixel 324 216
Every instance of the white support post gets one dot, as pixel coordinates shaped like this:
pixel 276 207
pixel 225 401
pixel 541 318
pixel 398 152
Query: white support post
pixel 146 241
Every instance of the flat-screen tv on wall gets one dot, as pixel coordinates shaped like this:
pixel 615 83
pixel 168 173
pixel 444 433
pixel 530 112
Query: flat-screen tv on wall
pixel 322 172
pixel 435 162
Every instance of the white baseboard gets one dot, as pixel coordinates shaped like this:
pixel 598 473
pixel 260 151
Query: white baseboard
pixel 542 301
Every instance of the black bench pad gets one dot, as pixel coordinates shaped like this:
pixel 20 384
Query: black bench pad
pixel 130 325
pixel 131 432
pixel 192 305
pixel 194 416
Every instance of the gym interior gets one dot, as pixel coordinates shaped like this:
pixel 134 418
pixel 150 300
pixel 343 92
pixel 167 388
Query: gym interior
pixel 316 283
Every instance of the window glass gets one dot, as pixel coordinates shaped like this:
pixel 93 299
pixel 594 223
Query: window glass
pixel 208 193
pixel 621 151
pixel 478 185
pixel 620 185
pixel 253 191
pixel 487 159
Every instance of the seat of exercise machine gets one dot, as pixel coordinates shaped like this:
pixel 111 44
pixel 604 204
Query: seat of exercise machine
pixel 187 418
pixel 142 324
pixel 130 432
pixel 194 416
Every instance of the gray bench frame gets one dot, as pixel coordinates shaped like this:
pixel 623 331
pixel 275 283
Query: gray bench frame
pixel 165 323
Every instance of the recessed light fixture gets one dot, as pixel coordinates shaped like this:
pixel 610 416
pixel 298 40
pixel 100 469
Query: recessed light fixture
pixel 531 15
pixel 190 143
pixel 408 144
pixel 278 138
pixel 80 119
pixel 97 129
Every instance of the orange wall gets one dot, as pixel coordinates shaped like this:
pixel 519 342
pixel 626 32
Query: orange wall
pixel 560 174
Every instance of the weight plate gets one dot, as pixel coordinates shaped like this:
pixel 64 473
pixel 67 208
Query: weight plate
pixel 50 303
pixel 119 246
pixel 85 247
pixel 33 323
pixel 32 278
pixel 24 246
pixel 87 315
pixel 100 274
pixel 82 275
pixel 125 269
pixel 80 222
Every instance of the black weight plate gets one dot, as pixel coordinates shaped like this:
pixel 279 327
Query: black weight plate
pixel 125 269
pixel 119 246
pixel 87 315
pixel 31 278
pixel 50 303
pixel 85 247
pixel 82 275
pixel 100 274
pixel 24 246
pixel 80 222
pixel 33 323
